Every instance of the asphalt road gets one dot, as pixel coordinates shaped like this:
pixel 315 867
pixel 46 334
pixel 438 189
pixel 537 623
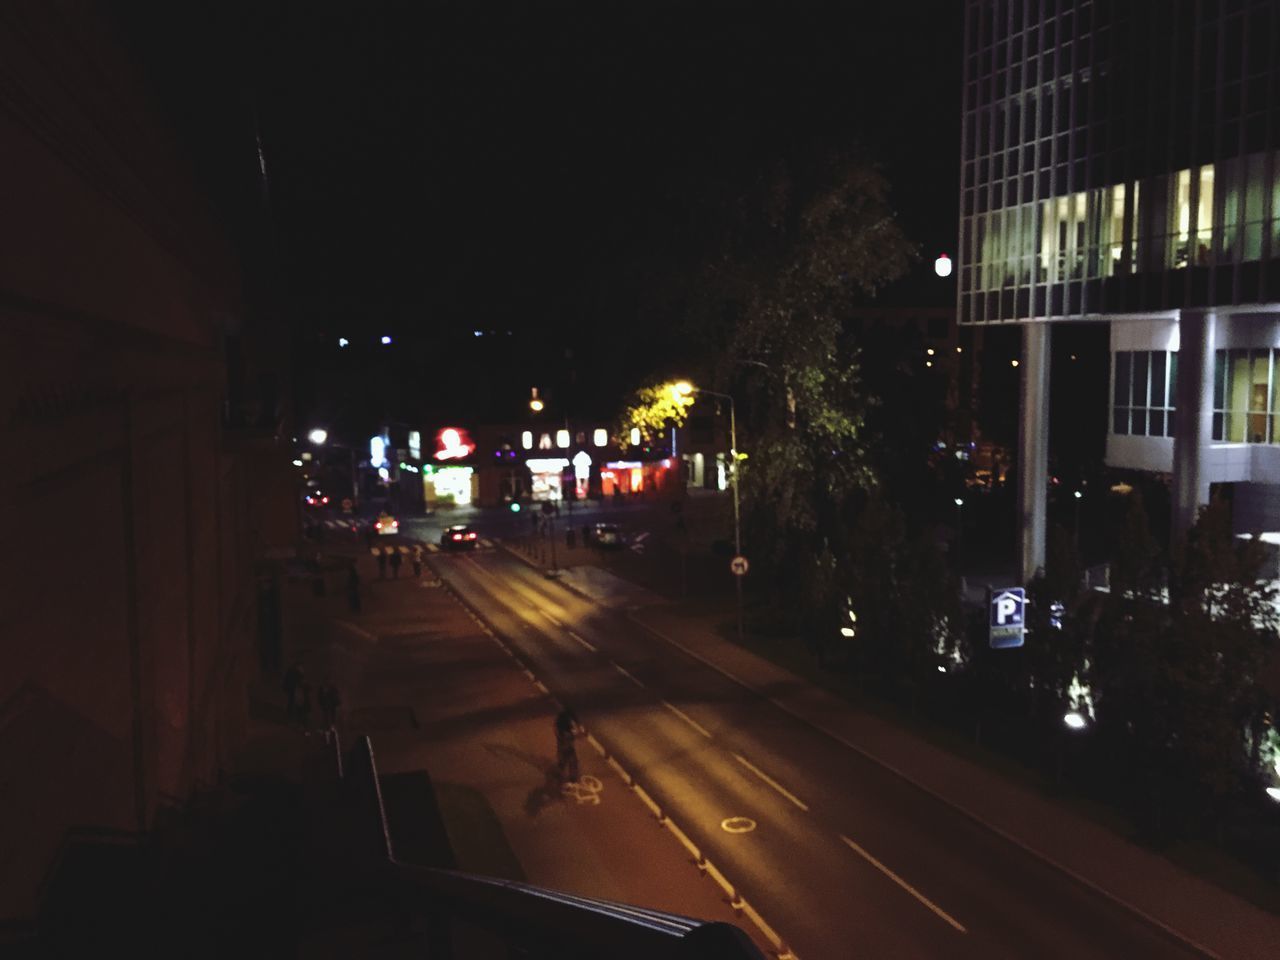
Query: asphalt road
pixel 845 859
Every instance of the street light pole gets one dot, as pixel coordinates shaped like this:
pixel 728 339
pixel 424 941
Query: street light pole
pixel 959 532
pixel 737 522
pixel 684 388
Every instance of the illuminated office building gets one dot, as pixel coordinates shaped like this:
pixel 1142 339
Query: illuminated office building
pixel 1120 164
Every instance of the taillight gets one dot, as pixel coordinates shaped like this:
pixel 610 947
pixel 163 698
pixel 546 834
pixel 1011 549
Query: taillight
pixel 378 525
pixel 471 536
pixel 457 536
pixel 324 499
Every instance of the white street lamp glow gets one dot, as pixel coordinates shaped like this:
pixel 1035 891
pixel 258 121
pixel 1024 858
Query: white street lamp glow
pixel 386 340
pixel 1074 720
pixel 343 341
pixel 318 436
pixel 942 266
pixel 1078 494
pixel 959 501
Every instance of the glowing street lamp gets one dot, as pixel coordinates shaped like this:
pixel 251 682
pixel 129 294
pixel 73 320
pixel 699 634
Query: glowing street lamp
pixel 318 436
pixel 535 402
pixel 942 266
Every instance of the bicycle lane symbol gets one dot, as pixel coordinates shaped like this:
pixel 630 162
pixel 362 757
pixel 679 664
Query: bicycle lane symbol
pixel 585 789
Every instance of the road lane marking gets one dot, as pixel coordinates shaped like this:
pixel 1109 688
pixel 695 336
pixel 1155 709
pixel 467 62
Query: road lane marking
pixel 626 673
pixel 903 884
pixel 771 782
pixel 687 719
pixel 550 617
pixel 586 643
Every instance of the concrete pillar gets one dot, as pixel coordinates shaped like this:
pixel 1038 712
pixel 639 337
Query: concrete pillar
pixel 1033 449
pixel 1193 421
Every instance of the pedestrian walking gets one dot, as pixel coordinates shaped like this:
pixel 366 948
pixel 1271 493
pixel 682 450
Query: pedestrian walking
pixel 292 681
pixel 566 726
pixel 329 701
pixel 416 559
pixel 353 588
pixel 304 706
pixel 396 560
pixel 382 563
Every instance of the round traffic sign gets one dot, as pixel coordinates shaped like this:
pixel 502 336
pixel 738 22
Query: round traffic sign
pixel 739 566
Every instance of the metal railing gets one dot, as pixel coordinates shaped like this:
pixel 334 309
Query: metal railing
pixel 531 921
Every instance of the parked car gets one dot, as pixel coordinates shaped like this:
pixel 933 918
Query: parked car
pixel 606 535
pixel 459 537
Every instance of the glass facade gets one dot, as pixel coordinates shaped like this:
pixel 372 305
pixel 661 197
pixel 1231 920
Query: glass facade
pixel 1118 156
pixel 1144 383
pixel 1246 396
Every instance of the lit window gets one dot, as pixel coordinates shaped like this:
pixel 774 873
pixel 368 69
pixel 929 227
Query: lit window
pixel 526 440
pixel 544 442
pixel 635 436
pixel 1144 388
pixel 600 437
pixel 562 439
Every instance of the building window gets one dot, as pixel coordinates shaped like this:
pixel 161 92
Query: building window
pixel 1143 395
pixel 526 439
pixel 600 437
pixel 1246 403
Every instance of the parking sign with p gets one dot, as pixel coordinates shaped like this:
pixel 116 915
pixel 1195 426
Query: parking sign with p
pixel 1008 617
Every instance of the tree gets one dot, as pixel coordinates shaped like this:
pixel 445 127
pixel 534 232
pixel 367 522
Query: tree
pixel 1059 622
pixel 1225 622
pixel 799 244
pixel 653 408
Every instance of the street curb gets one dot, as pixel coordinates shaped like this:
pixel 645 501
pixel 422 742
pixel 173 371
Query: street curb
pixel 1044 858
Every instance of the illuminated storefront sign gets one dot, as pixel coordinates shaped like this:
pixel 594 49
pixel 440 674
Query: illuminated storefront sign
pixel 453 444
pixel 377 451
pixel 545 474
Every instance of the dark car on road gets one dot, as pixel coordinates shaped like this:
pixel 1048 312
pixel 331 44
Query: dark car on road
pixel 459 537
pixel 606 535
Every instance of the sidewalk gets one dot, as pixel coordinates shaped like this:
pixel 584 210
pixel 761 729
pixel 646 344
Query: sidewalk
pixel 436 693
pixel 1212 919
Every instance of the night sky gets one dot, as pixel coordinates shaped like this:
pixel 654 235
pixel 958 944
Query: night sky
pixel 436 168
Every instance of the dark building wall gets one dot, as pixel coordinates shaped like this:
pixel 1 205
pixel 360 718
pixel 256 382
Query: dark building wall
pixel 126 539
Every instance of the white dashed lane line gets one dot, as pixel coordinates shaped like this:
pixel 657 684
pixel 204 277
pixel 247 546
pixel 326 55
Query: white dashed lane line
pixel 626 673
pixel 771 782
pixel 687 719
pixel 903 884
pixel 586 643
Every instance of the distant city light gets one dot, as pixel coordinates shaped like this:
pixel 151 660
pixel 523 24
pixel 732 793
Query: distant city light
pixel 478 333
pixel 1074 720
pixel 1077 494
pixel 343 342
pixel 929 351
pixel 562 439
pixel 535 405
pixel 847 631
pixel 384 473
pixel 318 436
pixel 1013 363
pixel 928 363
pixel 385 340
pixel 526 439
pixel 635 436
pixel 515 507
pixel 959 501
pixel 942 266
pixel 297 463
pixel 377 451
pixel 959 349
pixel 600 436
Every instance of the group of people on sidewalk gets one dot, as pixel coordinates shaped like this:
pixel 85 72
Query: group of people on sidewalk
pixel 298 703
pixel 395 558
